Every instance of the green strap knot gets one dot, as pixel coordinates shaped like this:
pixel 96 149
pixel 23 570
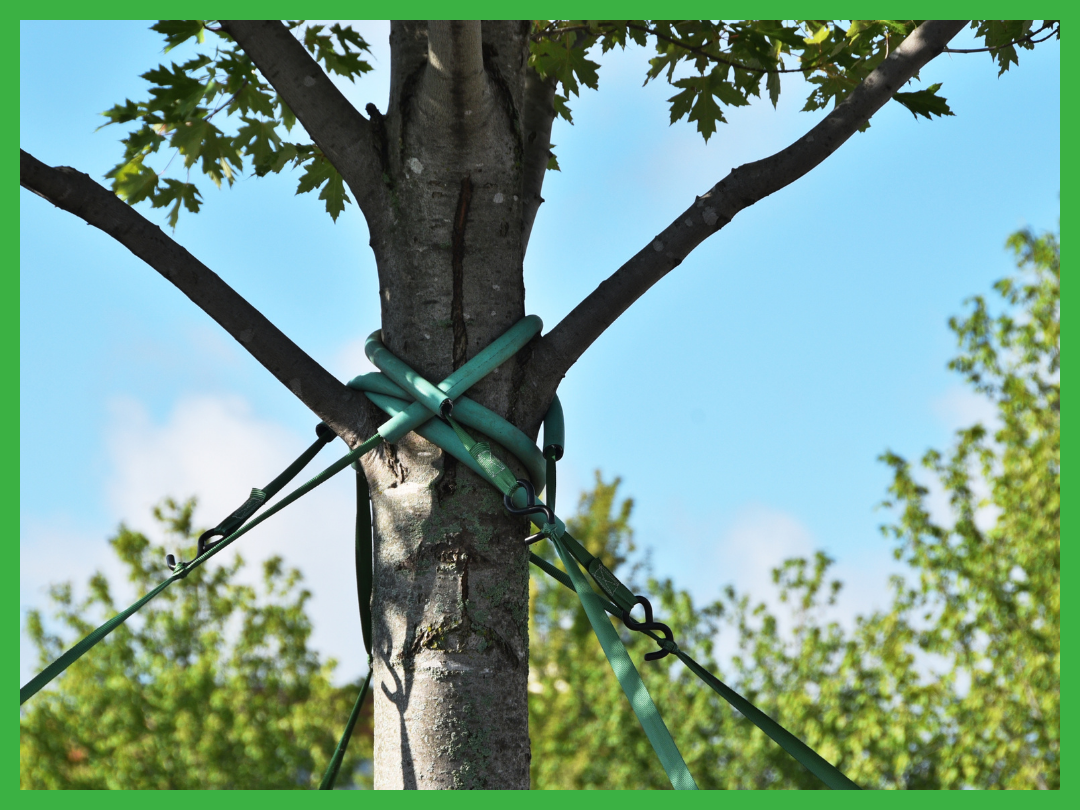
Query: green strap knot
pixel 669 645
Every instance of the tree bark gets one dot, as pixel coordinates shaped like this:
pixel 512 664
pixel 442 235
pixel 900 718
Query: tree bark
pixel 450 606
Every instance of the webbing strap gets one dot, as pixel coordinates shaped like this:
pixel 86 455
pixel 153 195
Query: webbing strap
pixel 339 753
pixel 628 676
pixel 35 684
pixel 363 598
pixel 364 572
pixel 806 756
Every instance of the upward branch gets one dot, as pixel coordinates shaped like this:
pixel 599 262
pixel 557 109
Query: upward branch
pixel 538 116
pixel 342 133
pixel 337 405
pixel 743 187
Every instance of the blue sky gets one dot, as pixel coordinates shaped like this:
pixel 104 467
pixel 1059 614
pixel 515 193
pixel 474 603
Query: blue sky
pixel 743 401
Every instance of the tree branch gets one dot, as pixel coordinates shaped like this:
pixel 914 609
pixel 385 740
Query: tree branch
pixel 559 349
pixel 342 133
pixel 538 116
pixel 337 405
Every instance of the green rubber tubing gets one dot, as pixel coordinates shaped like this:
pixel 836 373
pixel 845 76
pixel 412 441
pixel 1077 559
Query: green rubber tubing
pixel 411 402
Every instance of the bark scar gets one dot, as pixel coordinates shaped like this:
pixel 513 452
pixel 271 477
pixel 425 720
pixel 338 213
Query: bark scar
pixel 457 245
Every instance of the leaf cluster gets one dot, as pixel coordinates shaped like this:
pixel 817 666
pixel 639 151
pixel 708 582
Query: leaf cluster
pixel 181 116
pixel 220 116
pixel 212 685
pixel 989 581
pixel 717 64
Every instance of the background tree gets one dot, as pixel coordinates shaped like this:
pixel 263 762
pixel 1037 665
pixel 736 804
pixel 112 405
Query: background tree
pixel 448 180
pixel 214 686
pixel 985 600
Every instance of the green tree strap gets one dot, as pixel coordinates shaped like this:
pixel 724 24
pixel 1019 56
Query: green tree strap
pixel 364 573
pixel 806 756
pixel 363 596
pixel 339 753
pixel 35 684
pixel 183 569
pixel 628 676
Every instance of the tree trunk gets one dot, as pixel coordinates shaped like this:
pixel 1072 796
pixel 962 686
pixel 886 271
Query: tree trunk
pixel 450 606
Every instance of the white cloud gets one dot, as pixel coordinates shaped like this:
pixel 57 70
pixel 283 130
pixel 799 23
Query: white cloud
pixel 759 539
pixel 350 361
pixel 960 407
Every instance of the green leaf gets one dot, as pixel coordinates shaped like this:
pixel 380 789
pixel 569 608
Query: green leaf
pixel 133 182
pixel 177 31
pixel 177 193
pixel 259 139
pixel 320 173
pixel 561 109
pixel 772 83
pixel 288 118
pixel 253 97
pixel 926 102
pixel 339 58
pixel 122 113
pixel 553 163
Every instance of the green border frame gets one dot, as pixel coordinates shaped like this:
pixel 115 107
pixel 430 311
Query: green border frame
pixel 9 368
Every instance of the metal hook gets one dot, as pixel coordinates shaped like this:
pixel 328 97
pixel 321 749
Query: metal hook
pixel 204 541
pixel 648 624
pixel 531 507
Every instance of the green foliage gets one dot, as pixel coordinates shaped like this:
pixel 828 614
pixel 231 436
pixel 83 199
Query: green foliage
pixel 926 103
pixel 986 602
pixel 715 64
pixel 993 595
pixel 212 685
pixel 712 64
pixel 182 112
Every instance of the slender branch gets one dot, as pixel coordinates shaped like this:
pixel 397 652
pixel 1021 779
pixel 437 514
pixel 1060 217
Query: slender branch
pixel 539 113
pixel 744 186
pixel 340 131
pixel 1054 25
pixel 686 46
pixel 340 407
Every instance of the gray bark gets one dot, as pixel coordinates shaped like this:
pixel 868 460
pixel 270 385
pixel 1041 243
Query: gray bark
pixel 449 180
pixel 451 597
